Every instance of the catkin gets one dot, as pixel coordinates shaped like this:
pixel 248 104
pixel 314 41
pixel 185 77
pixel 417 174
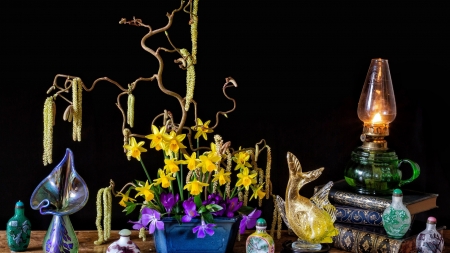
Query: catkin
pixel 98 219
pixel 130 110
pixel 261 181
pixel 246 198
pixel 77 88
pixel 190 78
pixel 268 166
pixel 228 169
pixel 48 131
pixel 279 224
pixel 107 202
pixel 103 234
pixel 142 234
pixel 274 218
pixel 194 31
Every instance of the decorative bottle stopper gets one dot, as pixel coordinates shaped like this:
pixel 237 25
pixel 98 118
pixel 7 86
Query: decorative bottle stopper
pixel 396 217
pixel 18 229
pixel 124 244
pixel 260 241
pixel 430 240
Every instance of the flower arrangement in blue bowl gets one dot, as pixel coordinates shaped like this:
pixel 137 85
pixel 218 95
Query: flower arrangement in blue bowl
pixel 192 183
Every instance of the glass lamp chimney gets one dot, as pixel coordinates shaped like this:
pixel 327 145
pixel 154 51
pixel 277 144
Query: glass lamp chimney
pixel 376 107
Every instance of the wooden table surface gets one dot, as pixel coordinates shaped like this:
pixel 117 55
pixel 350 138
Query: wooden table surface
pixel 86 239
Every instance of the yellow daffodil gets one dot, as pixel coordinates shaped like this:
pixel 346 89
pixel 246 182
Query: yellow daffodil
pixel 213 155
pixel 174 141
pixel 206 164
pixel 257 192
pixel 171 165
pixel 163 179
pixel 222 176
pixel 145 191
pixel 195 187
pixel 241 159
pixel 202 129
pixel 157 137
pixel 125 198
pixel 245 179
pixel 191 161
pixel 135 149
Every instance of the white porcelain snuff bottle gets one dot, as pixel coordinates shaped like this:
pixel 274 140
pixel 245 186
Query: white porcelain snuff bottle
pixel 430 240
pixel 124 244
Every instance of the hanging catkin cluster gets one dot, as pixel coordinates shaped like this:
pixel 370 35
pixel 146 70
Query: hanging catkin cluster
pixel 190 78
pixel 77 88
pixel 103 234
pixel 48 130
pixel 194 31
pixel 130 110
pixel 268 166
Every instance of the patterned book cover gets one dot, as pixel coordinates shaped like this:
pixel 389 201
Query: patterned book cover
pixel 415 201
pixel 369 239
pixel 354 215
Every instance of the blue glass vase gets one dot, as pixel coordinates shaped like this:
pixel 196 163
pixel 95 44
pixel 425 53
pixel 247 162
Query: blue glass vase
pixel 179 238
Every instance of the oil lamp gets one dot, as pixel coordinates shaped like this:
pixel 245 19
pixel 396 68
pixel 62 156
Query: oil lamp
pixel 373 167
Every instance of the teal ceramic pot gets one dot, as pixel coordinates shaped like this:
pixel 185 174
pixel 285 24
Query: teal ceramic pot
pixel 179 237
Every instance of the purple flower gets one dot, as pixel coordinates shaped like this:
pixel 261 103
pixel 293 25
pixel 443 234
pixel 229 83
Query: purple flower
pixel 204 229
pixel 232 206
pixel 249 221
pixel 168 200
pixel 213 198
pixel 150 218
pixel 190 209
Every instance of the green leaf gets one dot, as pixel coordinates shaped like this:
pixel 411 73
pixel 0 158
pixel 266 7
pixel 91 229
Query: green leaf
pixel 153 206
pixel 178 218
pixel 130 207
pixel 208 217
pixel 214 207
pixel 246 210
pixel 202 209
pixel 198 201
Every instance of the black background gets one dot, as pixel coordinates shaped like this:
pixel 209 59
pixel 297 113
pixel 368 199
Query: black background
pixel 300 67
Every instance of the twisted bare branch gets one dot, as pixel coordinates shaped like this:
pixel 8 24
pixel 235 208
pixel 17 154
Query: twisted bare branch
pixel 227 84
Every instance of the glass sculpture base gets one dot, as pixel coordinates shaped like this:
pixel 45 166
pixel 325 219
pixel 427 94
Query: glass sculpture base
pixel 287 248
pixel 305 246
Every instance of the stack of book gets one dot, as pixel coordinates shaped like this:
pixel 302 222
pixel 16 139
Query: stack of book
pixel 360 223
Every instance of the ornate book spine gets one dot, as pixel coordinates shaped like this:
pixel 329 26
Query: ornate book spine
pixel 358 200
pixel 362 240
pixel 360 216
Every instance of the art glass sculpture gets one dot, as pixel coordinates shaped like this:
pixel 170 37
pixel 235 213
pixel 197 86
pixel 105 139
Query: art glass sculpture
pixel 61 194
pixel 310 219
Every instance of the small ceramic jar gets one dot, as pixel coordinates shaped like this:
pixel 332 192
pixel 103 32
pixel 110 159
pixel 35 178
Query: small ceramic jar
pixel 124 244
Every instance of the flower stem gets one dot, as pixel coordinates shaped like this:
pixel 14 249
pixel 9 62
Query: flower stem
pixel 180 184
pixel 146 173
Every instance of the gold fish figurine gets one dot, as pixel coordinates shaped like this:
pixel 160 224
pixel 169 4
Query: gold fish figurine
pixel 310 219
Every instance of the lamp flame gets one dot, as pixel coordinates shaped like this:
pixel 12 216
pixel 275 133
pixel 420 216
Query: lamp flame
pixel 377 118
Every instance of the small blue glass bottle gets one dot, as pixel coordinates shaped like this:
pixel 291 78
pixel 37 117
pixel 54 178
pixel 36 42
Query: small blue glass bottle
pixel 18 229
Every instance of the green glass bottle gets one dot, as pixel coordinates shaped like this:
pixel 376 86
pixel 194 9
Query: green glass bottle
pixel 18 229
pixel 260 241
